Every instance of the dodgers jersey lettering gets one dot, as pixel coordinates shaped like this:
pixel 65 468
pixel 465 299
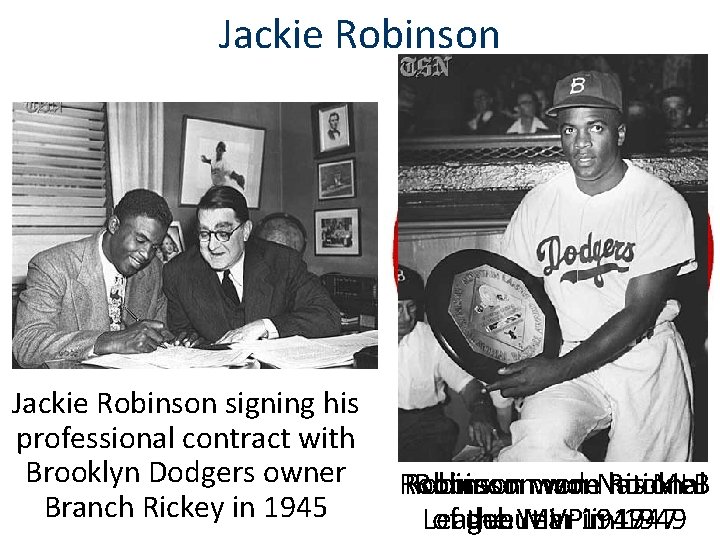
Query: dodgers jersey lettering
pixel 597 251
pixel 587 248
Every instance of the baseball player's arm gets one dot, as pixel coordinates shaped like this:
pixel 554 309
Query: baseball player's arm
pixel 644 299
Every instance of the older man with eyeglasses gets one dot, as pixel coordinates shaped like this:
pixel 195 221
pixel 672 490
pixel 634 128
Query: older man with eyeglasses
pixel 232 288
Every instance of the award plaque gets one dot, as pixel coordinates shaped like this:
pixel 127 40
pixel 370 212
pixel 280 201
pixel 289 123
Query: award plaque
pixel 487 312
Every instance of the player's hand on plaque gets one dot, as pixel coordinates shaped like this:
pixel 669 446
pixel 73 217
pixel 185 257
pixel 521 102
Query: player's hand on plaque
pixel 250 332
pixel 528 376
pixel 142 337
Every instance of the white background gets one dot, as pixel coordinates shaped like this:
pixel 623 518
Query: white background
pixel 152 51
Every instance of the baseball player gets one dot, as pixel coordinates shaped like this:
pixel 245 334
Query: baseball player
pixel 608 239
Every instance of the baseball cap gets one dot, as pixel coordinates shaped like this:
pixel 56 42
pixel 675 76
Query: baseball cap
pixel 410 284
pixel 587 89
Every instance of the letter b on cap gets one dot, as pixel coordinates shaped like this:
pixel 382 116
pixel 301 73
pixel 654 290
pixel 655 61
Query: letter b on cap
pixel 577 85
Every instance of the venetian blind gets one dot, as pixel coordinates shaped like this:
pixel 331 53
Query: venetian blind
pixel 59 171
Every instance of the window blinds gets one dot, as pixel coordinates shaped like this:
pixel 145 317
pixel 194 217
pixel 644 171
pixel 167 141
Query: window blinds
pixel 58 168
pixel 59 171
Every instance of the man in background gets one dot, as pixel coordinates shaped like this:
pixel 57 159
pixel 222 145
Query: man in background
pixel 675 107
pixel 102 294
pixel 485 119
pixel 233 288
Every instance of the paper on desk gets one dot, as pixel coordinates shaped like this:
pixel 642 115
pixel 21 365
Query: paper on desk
pixel 300 352
pixel 118 361
pixel 173 358
pixel 351 343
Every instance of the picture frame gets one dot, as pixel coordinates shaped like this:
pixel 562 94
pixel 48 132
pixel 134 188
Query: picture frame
pixel 170 249
pixel 333 129
pixel 337 232
pixel 176 233
pixel 220 153
pixel 336 179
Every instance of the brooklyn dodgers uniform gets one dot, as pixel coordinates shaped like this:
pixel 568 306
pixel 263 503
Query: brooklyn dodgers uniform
pixel 587 249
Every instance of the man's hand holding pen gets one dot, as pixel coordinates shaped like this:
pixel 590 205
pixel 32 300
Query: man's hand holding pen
pixel 140 337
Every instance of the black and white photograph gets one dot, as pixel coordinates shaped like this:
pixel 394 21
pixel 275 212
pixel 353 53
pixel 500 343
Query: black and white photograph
pixel 337 232
pixel 336 179
pixel 126 256
pixel 333 125
pixel 553 258
pixel 221 154
pixel 173 244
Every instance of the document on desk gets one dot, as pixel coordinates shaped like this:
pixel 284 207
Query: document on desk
pixel 351 343
pixel 300 352
pixel 174 358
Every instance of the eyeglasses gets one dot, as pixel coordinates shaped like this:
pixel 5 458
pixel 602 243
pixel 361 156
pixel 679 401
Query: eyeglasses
pixel 220 236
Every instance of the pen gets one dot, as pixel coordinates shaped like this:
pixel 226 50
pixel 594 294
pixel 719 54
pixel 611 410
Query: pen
pixel 131 314
pixel 163 345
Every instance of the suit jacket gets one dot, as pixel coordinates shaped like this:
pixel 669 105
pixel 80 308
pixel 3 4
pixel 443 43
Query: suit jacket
pixel 64 308
pixel 276 286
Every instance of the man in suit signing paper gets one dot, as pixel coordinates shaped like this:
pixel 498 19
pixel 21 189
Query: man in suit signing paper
pixel 234 288
pixel 102 294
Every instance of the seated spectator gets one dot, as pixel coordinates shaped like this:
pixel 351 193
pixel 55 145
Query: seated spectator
pixel 675 107
pixel 528 122
pixel 544 103
pixel 485 119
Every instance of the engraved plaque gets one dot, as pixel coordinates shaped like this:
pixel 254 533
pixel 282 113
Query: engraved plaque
pixel 487 311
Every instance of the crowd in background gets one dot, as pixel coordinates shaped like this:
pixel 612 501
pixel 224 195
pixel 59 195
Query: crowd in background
pixel 508 94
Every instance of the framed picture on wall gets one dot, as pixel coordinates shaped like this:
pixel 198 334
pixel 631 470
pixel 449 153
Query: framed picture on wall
pixel 337 232
pixel 218 153
pixel 173 244
pixel 336 179
pixel 333 128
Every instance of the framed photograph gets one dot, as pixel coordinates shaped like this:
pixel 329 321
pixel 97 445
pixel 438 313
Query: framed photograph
pixel 173 244
pixel 333 128
pixel 337 232
pixel 336 179
pixel 220 153
pixel 175 232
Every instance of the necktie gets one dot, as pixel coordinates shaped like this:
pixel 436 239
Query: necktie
pixel 228 288
pixel 115 305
